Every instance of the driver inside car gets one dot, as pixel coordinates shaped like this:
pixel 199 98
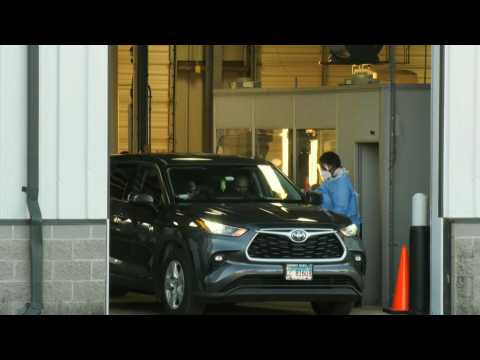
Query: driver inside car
pixel 242 187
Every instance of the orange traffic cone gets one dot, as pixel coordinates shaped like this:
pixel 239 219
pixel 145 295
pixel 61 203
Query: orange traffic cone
pixel 401 303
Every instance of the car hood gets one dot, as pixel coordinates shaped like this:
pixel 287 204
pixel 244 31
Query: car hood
pixel 266 214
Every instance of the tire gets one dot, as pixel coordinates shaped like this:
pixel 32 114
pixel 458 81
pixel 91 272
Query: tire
pixel 116 291
pixel 332 308
pixel 175 291
pixel 359 303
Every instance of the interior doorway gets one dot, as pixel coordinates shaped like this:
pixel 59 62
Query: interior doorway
pixel 368 185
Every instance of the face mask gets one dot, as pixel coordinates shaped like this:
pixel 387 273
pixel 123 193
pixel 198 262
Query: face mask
pixel 326 175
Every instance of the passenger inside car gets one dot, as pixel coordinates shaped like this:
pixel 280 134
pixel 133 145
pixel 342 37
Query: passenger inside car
pixel 192 190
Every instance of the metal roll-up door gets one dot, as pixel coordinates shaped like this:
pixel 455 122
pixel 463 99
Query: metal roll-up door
pixel 159 80
pixel 291 66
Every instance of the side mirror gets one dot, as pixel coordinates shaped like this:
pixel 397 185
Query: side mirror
pixel 143 199
pixel 314 198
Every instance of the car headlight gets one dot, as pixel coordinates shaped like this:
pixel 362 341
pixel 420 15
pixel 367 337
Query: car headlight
pixel 216 228
pixel 350 231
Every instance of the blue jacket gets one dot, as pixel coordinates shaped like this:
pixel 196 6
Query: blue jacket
pixel 340 197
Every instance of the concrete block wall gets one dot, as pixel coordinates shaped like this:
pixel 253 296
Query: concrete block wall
pixel 74 273
pixel 466 268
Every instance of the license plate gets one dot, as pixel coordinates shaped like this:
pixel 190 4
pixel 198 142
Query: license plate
pixel 299 272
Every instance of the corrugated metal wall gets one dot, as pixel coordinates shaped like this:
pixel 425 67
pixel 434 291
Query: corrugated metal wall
pixel 124 79
pixel 73 131
pixel 290 66
pixel 159 80
pixel 461 162
pixel 297 66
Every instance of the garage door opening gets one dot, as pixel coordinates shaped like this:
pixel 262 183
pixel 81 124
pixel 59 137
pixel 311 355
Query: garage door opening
pixel 291 109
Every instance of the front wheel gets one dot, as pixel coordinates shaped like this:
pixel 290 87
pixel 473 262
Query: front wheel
pixel 177 280
pixel 332 308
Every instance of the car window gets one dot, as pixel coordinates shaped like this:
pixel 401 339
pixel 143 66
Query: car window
pixel 151 184
pixel 231 183
pixel 123 180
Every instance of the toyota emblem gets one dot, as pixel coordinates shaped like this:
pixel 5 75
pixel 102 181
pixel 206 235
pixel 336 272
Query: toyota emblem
pixel 298 236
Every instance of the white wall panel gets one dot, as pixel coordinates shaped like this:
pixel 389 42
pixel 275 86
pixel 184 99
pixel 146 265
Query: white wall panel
pixel 461 162
pixel 73 145
pixel 72 132
pixel 13 131
pixel 97 150
pixel 436 222
pixel 73 136
pixel 49 122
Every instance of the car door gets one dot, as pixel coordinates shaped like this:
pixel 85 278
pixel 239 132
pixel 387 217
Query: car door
pixel 148 219
pixel 123 182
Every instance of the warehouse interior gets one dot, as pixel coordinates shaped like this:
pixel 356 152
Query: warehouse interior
pixel 288 104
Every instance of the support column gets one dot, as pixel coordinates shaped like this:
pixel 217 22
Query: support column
pixel 140 100
pixel 208 82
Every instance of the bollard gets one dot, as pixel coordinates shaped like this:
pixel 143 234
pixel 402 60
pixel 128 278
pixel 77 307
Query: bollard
pixel 420 257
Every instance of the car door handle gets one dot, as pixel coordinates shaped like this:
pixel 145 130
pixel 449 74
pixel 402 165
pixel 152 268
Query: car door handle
pixel 121 221
pixel 147 226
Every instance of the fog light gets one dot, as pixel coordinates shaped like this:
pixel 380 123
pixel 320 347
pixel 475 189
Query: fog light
pixel 219 258
pixel 358 258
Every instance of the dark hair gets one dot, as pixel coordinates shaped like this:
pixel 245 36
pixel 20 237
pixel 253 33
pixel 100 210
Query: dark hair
pixel 332 159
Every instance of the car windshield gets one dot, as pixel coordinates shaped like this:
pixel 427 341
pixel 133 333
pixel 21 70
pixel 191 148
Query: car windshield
pixel 260 183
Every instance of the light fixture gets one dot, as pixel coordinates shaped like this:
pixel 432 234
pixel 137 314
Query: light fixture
pixel 285 152
pixel 216 228
pixel 354 54
pixel 312 163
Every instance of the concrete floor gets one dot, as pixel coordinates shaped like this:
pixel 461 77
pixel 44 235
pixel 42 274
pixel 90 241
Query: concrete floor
pixel 137 304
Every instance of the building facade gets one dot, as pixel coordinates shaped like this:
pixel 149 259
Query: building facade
pixel 459 172
pixel 74 102
pixel 73 178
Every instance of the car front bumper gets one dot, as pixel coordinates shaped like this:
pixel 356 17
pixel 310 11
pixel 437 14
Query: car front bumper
pixel 238 282
pixel 237 279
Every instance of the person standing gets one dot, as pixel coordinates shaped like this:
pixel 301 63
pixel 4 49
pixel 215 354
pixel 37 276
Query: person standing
pixel 337 190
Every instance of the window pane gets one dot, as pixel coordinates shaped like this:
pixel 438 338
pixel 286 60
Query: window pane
pixel 217 183
pixel 275 145
pixel 122 180
pixel 234 142
pixel 151 184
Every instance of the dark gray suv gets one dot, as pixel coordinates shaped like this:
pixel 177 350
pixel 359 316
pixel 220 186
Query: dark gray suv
pixel 199 229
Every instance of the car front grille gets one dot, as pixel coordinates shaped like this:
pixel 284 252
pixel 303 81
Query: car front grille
pixel 319 247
